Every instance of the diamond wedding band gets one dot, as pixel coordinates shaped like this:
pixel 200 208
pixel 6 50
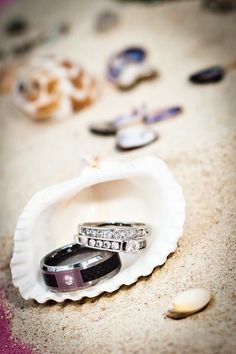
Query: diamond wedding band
pixel 113 236
pixel 94 255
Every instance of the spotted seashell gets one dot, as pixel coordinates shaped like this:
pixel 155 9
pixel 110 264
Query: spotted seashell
pixel 135 137
pixel 188 302
pixel 208 76
pixel 53 88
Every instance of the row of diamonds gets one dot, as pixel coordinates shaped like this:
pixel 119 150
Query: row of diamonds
pixel 113 245
pixel 133 246
pixel 121 234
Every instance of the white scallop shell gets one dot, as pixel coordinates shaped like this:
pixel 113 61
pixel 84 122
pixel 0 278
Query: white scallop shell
pixel 140 190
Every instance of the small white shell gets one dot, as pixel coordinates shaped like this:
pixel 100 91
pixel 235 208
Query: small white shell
pixel 135 137
pixel 142 190
pixel 189 302
pixel 133 73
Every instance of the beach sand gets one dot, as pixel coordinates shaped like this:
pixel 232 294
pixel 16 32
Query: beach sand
pixel 199 147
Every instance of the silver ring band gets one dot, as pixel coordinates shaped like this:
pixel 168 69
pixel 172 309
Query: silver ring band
pixel 113 236
pixel 73 267
pixel 131 246
pixel 114 230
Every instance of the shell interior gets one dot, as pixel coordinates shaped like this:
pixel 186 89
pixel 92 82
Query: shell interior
pixel 142 190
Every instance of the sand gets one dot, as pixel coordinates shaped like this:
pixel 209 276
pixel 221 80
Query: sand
pixel 199 148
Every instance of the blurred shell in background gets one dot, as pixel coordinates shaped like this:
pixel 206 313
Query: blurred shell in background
pixel 219 5
pixel 135 137
pixel 17 26
pixel 50 87
pixel 106 20
pixel 127 68
pixel 208 76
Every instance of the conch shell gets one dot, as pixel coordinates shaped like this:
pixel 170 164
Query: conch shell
pixel 140 190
